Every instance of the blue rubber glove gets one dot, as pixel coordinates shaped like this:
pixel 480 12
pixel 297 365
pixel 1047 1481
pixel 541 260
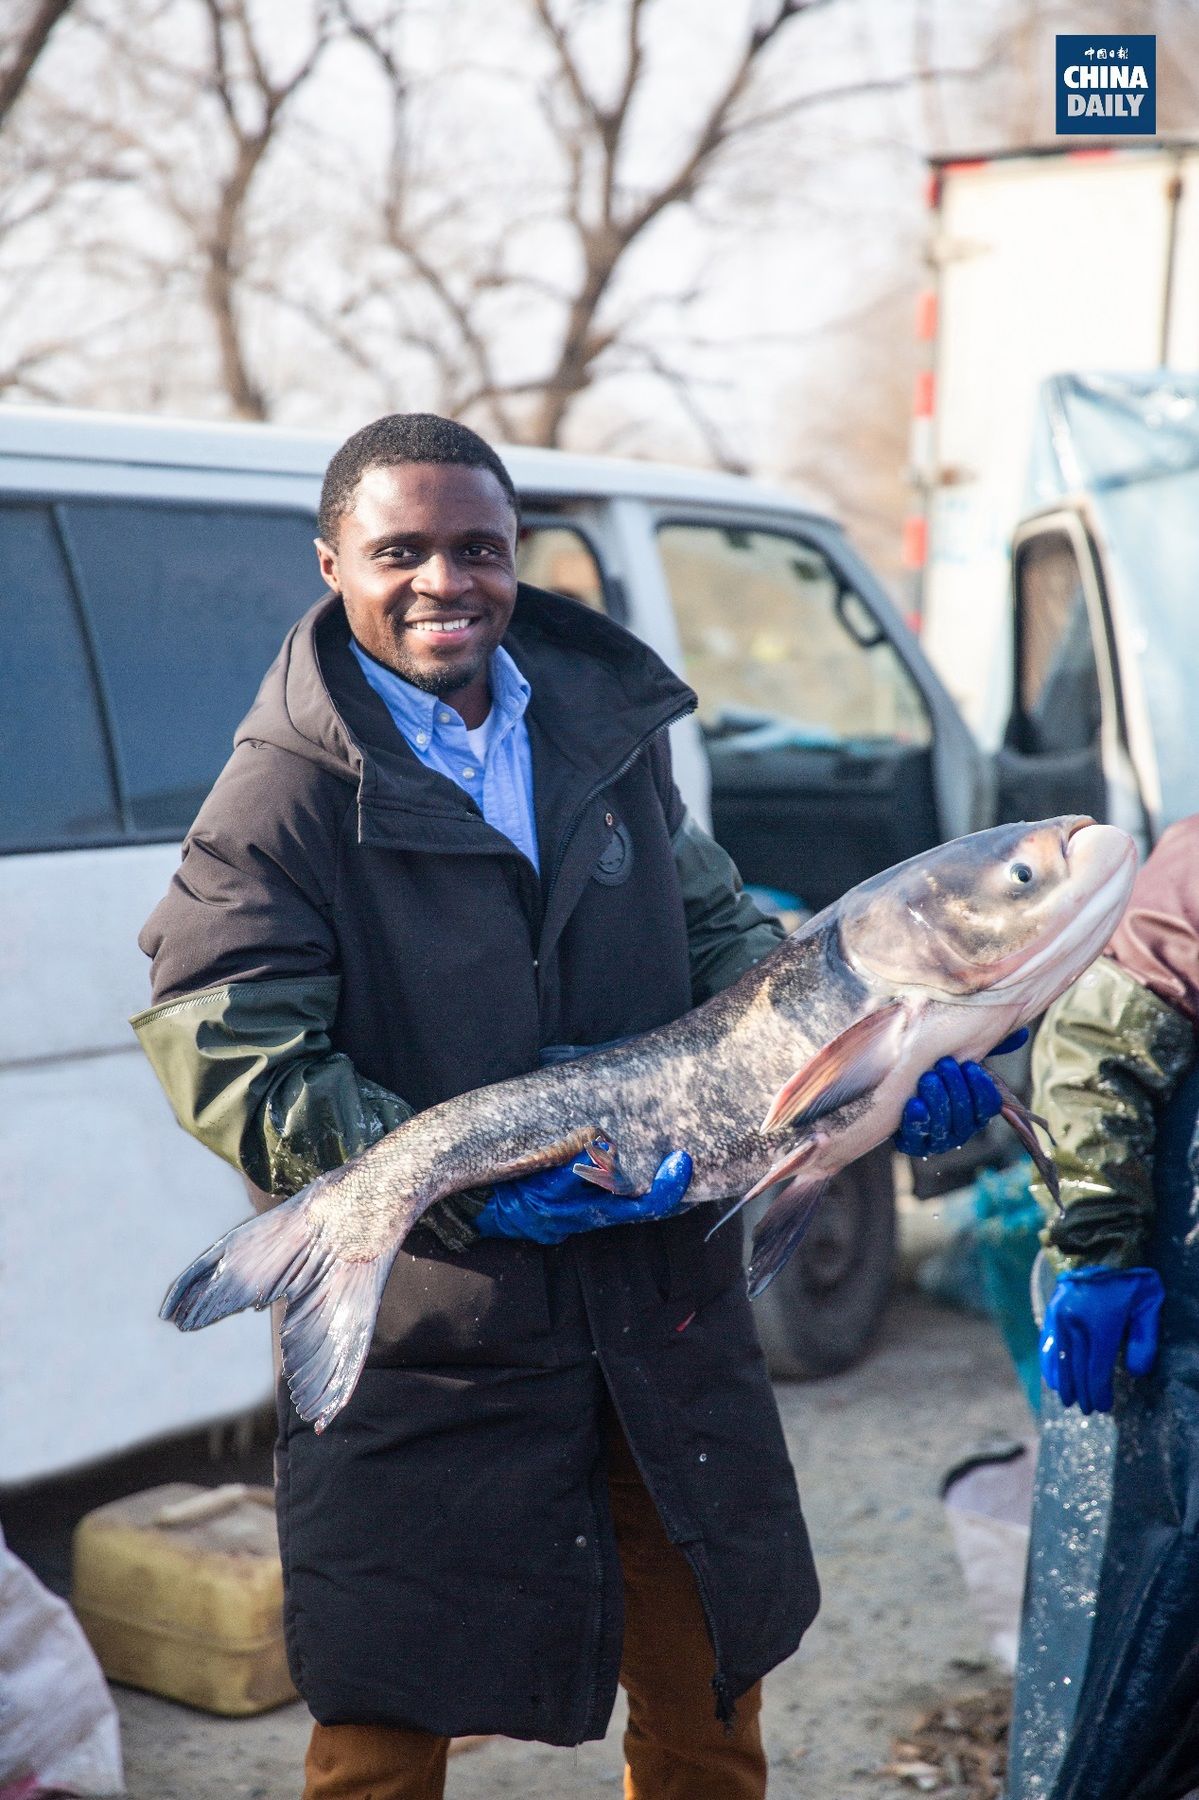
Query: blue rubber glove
pixel 1092 1313
pixel 952 1101
pixel 556 1203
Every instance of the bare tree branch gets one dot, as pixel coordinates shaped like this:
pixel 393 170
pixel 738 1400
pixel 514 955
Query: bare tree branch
pixel 606 239
pixel 488 235
pixel 685 390
pixel 251 105
pixel 30 44
pixel 588 106
pixel 852 90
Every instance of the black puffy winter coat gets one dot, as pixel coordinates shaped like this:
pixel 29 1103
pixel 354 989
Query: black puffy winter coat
pixel 348 939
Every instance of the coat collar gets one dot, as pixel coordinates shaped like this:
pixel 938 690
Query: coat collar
pixel 598 694
pixel 426 718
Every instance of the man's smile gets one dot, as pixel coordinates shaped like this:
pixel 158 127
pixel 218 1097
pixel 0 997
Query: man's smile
pixel 442 627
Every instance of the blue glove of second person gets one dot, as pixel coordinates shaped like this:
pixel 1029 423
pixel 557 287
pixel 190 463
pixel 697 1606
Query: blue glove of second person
pixel 556 1203
pixel 952 1101
pixel 1091 1314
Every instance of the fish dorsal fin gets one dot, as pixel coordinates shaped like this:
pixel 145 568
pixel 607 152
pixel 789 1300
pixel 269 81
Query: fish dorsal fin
pixel 842 1071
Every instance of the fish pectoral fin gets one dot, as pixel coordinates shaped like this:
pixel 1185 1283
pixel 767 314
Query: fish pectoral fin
pixel 1022 1122
pixel 782 1228
pixel 602 1169
pixel 779 1170
pixel 788 1165
pixel 842 1071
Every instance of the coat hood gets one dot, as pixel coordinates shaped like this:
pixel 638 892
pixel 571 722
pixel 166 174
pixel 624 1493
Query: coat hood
pixel 597 693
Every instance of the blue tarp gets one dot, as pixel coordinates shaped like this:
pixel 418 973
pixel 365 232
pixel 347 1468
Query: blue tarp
pixel 1107 1687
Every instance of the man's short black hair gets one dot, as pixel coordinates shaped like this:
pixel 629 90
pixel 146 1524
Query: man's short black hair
pixel 402 438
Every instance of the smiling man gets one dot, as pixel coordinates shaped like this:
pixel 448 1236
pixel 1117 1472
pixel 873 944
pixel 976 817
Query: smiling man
pixel 424 563
pixel 448 845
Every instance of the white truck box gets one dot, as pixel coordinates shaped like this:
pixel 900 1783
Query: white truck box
pixel 1044 261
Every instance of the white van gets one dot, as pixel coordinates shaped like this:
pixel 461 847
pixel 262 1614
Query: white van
pixel 151 570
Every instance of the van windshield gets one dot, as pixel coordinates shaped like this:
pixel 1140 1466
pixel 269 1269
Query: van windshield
pixel 780 652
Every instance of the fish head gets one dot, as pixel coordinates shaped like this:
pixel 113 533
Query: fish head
pixel 1018 911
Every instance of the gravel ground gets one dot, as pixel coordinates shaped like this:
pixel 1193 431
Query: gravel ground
pixel 894 1638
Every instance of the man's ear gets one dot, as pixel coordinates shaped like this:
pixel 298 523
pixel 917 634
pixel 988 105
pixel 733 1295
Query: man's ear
pixel 326 556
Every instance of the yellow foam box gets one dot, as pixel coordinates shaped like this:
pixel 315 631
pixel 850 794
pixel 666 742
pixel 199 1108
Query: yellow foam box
pixel 180 1591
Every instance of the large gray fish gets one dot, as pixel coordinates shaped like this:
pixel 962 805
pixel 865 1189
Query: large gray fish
pixel 796 1070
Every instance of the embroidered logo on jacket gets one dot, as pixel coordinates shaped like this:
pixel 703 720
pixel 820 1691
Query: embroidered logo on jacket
pixel 616 859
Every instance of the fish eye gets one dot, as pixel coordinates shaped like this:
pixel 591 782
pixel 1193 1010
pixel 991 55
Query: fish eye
pixel 1020 872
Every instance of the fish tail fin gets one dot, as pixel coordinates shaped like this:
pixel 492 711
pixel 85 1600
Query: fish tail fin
pixel 327 1330
pixel 330 1302
pixel 782 1228
pixel 250 1266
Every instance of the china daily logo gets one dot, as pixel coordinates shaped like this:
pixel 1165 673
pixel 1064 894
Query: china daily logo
pixel 1107 86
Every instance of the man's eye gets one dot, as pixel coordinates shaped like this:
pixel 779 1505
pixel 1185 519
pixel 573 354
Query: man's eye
pixel 480 550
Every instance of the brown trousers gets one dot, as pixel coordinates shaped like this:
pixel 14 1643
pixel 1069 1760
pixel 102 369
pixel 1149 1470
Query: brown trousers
pixel 675 1748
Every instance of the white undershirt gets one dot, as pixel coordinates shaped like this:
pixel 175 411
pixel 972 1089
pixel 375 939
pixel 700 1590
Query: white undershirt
pixel 479 738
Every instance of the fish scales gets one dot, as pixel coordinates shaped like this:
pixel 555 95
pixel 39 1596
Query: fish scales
pixel 797 1069
pixel 670 1087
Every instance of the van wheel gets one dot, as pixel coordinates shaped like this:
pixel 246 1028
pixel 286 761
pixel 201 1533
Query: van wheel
pixel 819 1312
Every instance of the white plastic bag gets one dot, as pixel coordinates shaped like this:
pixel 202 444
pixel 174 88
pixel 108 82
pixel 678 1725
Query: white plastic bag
pixel 58 1725
pixel 988 1502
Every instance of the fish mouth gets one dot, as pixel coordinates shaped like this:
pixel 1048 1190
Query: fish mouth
pixel 1079 823
pixel 1103 843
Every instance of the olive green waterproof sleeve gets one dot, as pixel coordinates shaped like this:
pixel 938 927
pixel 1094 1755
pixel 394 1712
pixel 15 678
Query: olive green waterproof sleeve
pixel 726 934
pixel 249 1070
pixel 1107 1057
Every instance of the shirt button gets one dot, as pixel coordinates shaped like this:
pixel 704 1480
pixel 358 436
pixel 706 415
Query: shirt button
pixel 581 1542
pixel 468 774
pixel 422 737
pixel 443 718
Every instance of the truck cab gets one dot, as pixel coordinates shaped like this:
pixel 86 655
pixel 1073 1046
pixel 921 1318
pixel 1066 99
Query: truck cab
pixel 1103 650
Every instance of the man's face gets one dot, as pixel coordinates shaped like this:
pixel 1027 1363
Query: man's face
pixel 425 563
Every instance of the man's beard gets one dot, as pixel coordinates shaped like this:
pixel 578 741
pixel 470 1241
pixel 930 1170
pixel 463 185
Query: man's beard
pixel 438 682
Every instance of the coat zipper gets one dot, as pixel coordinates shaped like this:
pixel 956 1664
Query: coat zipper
pixel 697 1561
pixel 606 781
pixel 692 1548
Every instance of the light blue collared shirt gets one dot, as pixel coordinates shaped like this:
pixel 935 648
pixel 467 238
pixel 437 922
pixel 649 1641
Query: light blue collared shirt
pixel 501 781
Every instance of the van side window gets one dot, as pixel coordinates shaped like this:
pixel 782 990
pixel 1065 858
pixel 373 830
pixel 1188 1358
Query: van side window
pixel 559 558
pixel 189 605
pixel 1060 704
pixel 778 650
pixel 55 782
